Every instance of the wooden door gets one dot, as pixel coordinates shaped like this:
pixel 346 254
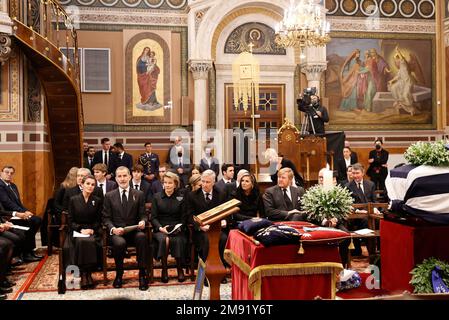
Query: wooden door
pixel 268 115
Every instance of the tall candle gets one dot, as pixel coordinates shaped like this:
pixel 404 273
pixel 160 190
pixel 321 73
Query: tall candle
pixel 328 180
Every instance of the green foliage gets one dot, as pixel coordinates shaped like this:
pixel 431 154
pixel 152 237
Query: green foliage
pixel 428 153
pixel 320 204
pixel 422 275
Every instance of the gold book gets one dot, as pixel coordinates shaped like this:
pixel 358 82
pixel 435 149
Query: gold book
pixel 218 213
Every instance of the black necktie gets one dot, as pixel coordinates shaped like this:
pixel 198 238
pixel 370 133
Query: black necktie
pixel 359 184
pixel 101 185
pixel 13 191
pixel 136 186
pixel 106 158
pixel 121 157
pixel 207 197
pixel 124 200
pixel 288 202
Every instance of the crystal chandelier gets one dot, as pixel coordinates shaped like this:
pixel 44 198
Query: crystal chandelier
pixel 304 25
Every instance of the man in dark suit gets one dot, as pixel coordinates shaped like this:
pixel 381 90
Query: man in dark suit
pixel 342 164
pixel 378 167
pixel 283 201
pixel 181 165
pixel 202 200
pixel 106 156
pixel 139 184
pixel 209 162
pixel 157 185
pixel 10 200
pixel 81 173
pixel 89 158
pixel 123 158
pixel 125 207
pixel 227 184
pixel 150 163
pixel 354 157
pixel 362 191
pixel 16 236
pixel 100 170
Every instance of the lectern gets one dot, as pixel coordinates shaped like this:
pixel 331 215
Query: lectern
pixel 215 271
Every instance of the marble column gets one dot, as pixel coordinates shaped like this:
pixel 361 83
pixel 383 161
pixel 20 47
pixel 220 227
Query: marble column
pixel 200 70
pixel 313 66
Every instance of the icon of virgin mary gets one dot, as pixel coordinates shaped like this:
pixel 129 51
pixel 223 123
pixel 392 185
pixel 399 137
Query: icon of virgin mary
pixel 147 76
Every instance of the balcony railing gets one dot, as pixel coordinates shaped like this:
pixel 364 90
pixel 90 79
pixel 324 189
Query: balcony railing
pixel 50 20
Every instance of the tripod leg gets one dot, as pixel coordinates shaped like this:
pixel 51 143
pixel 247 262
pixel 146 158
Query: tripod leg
pixel 311 124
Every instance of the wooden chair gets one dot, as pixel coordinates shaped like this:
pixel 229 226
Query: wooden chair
pixel 373 224
pixel 360 211
pixel 52 224
pixel 189 264
pixel 63 229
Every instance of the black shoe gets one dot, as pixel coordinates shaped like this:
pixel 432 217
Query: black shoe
pixel 118 282
pixel 5 290
pixel 84 284
pixel 3 296
pixel 40 257
pixel 28 257
pixel 143 283
pixel 16 261
pixel 181 277
pixel 90 281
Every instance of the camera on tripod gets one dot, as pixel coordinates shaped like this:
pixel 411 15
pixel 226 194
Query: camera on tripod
pixel 305 103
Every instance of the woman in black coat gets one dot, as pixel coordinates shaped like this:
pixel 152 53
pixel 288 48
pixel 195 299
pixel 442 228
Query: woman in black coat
pixel 167 211
pixel 84 218
pixel 251 200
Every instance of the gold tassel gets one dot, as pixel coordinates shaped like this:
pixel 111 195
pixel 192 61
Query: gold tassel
pixel 351 245
pixel 301 249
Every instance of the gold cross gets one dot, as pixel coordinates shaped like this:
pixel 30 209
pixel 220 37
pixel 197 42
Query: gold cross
pixel 251 45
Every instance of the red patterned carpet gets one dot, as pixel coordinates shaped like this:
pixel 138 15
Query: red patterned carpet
pixel 46 278
pixel 37 279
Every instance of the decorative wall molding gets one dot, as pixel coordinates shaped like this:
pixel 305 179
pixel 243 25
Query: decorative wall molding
pixel 24 137
pixel 12 96
pixel 5 48
pixel 199 15
pixel 34 97
pixel 143 4
pixel 382 25
pixel 417 9
pixel 130 17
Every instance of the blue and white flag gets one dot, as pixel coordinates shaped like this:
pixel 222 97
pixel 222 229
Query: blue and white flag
pixel 421 191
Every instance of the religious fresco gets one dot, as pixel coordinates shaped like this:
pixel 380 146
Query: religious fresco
pixel 256 35
pixel 375 82
pixel 147 79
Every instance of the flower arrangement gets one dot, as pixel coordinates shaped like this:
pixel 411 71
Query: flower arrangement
pixel 321 204
pixel 428 153
pixel 424 273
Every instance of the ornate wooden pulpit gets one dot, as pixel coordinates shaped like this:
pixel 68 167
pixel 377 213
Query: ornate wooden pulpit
pixel 215 271
pixel 308 153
